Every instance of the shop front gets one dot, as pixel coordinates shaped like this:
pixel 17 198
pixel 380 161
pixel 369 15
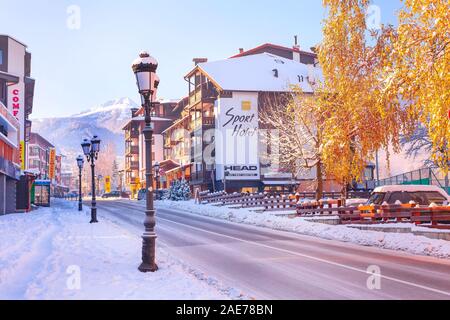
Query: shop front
pixel 40 193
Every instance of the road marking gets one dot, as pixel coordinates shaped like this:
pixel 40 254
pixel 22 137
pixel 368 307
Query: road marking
pixel 312 258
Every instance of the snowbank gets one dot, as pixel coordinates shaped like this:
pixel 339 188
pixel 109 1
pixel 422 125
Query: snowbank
pixel 410 243
pixel 54 253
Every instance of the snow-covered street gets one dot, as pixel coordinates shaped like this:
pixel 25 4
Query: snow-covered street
pixel 54 253
pixel 410 243
pixel 270 263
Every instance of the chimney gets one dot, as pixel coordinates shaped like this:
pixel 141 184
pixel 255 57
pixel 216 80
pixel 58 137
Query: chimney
pixel 241 50
pixel 296 54
pixel 296 45
pixel 199 60
pixel 133 112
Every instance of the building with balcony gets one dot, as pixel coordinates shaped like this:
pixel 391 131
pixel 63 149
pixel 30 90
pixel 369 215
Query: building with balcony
pixel 163 116
pixel 17 87
pixel 177 147
pixel 39 156
pixel 9 159
pixel 39 150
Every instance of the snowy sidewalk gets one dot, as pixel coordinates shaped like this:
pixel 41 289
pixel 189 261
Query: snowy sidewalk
pixel 410 243
pixel 54 253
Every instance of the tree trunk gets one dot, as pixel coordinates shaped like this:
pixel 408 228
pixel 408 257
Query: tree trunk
pixel 447 182
pixel 319 190
pixel 344 191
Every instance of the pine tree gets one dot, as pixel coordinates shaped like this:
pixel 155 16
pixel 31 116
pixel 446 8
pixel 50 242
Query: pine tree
pixel 179 191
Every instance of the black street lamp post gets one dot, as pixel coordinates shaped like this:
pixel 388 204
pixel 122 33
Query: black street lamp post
pixel 157 167
pixel 80 162
pixel 147 81
pixel 91 150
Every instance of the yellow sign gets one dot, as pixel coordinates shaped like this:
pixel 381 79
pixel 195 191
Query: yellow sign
pixel 246 106
pixel 138 183
pixel 52 164
pixel 22 155
pixel 107 184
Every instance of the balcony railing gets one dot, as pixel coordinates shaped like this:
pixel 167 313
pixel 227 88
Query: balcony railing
pixel 132 165
pixel 132 150
pixel 209 121
pixel 131 134
pixel 205 91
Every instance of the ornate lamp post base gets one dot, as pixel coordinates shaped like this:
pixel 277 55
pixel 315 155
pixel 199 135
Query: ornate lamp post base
pixel 94 220
pixel 148 253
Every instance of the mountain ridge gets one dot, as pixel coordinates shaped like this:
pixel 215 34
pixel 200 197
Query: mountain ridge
pixel 105 120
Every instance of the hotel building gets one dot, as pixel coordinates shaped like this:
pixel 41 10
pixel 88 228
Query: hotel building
pixel 221 115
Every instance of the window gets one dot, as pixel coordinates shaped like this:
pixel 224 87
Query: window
pixel 377 198
pixel 1 57
pixel 402 197
pixel 3 91
pixel 427 198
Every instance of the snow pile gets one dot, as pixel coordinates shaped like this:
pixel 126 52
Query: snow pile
pixel 396 241
pixel 54 253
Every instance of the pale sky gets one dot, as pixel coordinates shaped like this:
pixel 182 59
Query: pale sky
pixel 76 69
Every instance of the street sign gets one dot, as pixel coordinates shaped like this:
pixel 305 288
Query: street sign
pixel 22 155
pixel 52 164
pixel 108 184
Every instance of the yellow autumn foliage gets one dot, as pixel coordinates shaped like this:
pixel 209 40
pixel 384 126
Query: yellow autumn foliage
pixel 418 69
pixel 358 124
pixel 382 83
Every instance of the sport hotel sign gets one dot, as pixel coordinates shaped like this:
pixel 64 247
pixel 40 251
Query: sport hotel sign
pixel 236 138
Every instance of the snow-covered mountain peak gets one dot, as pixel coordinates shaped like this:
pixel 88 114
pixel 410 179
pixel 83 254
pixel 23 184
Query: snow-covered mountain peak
pixel 120 104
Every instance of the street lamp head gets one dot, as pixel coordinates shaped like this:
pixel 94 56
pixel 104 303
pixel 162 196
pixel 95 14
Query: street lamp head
pixel 156 166
pixel 145 70
pixel 80 162
pixel 86 145
pixel 95 144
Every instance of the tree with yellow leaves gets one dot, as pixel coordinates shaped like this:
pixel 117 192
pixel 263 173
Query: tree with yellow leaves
pixel 417 72
pixel 359 122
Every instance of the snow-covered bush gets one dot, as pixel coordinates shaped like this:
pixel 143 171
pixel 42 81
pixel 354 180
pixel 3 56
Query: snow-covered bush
pixel 179 191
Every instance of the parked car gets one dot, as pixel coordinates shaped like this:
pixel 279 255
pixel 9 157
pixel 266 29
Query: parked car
pixel 420 194
pixel 114 194
pixel 125 194
pixel 72 195
pixel 157 194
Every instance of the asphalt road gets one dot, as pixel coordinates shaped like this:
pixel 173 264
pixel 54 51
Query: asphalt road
pixel 269 264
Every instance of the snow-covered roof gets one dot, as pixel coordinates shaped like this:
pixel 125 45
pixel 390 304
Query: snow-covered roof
pixel 261 72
